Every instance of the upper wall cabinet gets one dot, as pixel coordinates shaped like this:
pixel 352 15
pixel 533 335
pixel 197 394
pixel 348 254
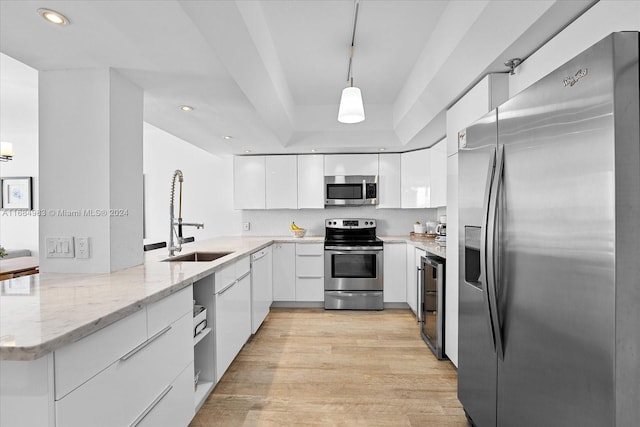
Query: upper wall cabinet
pixel 249 182
pixel 281 182
pixel 311 181
pixel 389 181
pixel 351 164
pixel 415 179
pixel 438 173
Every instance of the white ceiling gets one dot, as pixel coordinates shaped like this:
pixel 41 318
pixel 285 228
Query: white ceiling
pixel 270 72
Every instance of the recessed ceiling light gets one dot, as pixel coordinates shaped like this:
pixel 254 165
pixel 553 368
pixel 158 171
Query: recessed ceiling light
pixel 186 107
pixel 53 17
pixel 227 137
pixel 313 150
pixel 382 149
pixel 247 151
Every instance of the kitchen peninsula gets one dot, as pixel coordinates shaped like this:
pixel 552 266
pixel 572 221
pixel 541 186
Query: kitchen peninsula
pixel 92 322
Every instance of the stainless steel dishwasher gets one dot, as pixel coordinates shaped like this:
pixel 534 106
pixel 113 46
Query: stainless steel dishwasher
pixel 431 304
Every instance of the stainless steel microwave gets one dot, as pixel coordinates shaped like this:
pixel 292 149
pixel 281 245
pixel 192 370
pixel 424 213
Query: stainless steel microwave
pixel 350 190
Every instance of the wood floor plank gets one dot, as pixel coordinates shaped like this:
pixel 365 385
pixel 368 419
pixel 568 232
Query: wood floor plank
pixel 311 367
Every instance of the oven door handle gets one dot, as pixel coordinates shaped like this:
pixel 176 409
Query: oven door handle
pixel 353 248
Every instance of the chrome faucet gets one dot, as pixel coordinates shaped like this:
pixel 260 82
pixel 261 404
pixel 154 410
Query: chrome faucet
pixel 177 247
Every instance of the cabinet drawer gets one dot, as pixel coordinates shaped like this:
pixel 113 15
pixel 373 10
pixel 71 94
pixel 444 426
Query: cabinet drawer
pixel 309 266
pixel 309 249
pixel 162 313
pixel 231 273
pixel 224 276
pixel 122 392
pixel 174 406
pixel 243 266
pixel 77 362
pixel 309 289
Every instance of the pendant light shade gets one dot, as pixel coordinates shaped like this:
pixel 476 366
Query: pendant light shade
pixel 351 108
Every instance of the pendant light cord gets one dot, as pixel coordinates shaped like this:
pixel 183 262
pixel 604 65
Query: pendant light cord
pixel 353 43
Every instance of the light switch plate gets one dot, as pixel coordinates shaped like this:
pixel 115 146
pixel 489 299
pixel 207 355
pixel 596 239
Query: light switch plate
pixel 246 226
pixel 59 247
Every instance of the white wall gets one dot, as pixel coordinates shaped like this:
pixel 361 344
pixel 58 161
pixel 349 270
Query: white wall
pixel 90 151
pixel 207 187
pixel 390 222
pixel 19 125
pixel 598 22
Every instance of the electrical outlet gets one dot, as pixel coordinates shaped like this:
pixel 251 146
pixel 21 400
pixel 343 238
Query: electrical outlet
pixel 59 247
pixel 82 247
pixel 246 226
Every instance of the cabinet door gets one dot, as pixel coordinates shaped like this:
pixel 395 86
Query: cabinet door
pixel 233 322
pixel 351 164
pixel 281 182
pixel 249 182
pixel 174 405
pixel 261 287
pixel 284 272
pixel 438 173
pixel 389 181
pixel 395 272
pixel 311 181
pixel 412 279
pixel 309 272
pixel 415 179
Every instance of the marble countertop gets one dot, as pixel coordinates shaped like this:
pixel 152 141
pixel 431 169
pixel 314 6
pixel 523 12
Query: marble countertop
pixel 428 245
pixel 44 312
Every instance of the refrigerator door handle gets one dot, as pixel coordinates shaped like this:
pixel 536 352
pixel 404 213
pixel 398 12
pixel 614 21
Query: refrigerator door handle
pixel 492 228
pixel 483 246
pixel 419 294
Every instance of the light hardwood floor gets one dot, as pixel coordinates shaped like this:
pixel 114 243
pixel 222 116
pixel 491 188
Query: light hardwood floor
pixel 335 368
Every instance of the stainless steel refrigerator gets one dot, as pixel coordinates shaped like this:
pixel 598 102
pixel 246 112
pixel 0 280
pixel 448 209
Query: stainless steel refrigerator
pixel 549 326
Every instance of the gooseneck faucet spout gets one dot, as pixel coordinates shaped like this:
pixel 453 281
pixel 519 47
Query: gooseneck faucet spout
pixel 177 246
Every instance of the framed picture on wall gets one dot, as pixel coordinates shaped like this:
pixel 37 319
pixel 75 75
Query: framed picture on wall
pixel 16 193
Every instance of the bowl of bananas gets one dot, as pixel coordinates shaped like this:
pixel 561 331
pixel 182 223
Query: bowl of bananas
pixel 297 231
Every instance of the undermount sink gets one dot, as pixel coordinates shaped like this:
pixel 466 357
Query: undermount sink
pixel 198 257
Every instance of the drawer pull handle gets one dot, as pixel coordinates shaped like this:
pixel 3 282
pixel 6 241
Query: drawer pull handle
pixel 144 344
pixel 153 405
pixel 226 288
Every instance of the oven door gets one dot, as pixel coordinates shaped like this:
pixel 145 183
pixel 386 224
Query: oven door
pixel 353 268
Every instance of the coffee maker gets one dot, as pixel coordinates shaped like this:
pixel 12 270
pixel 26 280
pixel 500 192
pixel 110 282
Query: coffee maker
pixel 441 231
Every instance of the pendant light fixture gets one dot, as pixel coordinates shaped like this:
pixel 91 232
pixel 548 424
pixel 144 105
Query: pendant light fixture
pixel 351 107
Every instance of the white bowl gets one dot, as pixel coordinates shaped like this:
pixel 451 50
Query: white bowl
pixel 298 233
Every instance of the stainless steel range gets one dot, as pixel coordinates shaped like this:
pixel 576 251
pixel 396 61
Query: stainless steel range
pixel 352 265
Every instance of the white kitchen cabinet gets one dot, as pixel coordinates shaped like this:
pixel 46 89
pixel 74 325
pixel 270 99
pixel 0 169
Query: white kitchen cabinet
pixel 128 388
pixel 261 286
pixel 351 164
pixel 311 181
pixel 232 313
pixel 389 181
pixel 174 405
pixel 438 171
pixel 281 182
pixel 412 277
pixel 284 271
pixel 415 179
pixel 395 272
pixel 27 392
pixel 249 182
pixel 309 262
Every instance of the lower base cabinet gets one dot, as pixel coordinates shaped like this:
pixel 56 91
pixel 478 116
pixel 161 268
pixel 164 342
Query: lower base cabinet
pixel 232 319
pixel 174 406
